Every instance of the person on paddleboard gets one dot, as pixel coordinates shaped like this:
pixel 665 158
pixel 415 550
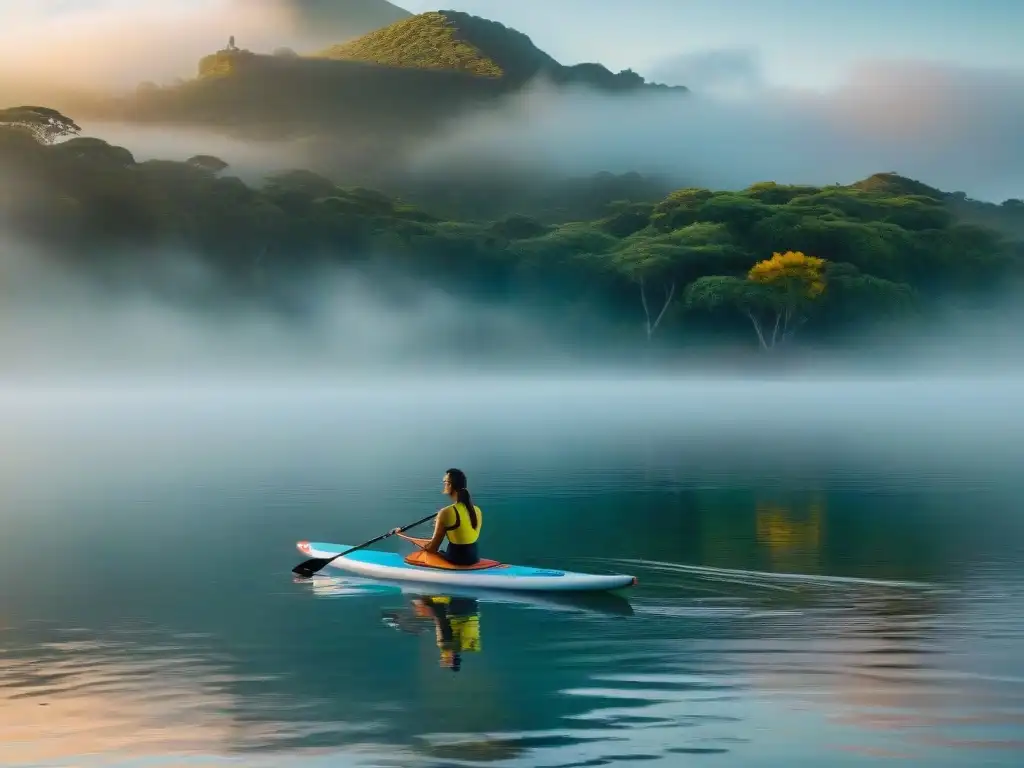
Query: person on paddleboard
pixel 459 522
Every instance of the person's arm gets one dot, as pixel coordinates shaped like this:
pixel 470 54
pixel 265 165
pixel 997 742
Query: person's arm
pixel 421 543
pixel 438 537
pixel 434 542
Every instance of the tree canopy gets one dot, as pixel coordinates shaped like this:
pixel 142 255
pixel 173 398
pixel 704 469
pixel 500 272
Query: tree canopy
pixel 824 261
pixel 42 123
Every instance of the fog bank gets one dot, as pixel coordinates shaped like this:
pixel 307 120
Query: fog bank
pixel 950 127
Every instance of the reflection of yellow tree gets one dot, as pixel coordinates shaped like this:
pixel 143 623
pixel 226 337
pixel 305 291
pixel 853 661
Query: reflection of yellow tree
pixel 791 534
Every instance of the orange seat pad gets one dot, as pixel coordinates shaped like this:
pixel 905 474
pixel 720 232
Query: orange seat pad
pixel 434 560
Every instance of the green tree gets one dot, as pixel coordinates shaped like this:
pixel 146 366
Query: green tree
pixel 95 152
pixel 855 297
pixel 209 163
pixel 301 181
pixel 649 266
pixel 44 124
pixel 660 265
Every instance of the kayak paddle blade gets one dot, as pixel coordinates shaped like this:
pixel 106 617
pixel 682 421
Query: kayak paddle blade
pixel 311 566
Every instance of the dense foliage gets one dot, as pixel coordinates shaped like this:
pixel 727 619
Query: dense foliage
pixel 773 257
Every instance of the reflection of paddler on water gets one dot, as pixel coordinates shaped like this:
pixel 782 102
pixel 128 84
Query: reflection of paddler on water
pixel 456 625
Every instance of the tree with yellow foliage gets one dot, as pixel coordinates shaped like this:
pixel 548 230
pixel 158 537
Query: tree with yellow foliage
pixel 783 288
pixel 796 280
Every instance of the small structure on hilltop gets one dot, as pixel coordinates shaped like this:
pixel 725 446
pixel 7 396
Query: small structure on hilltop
pixel 225 61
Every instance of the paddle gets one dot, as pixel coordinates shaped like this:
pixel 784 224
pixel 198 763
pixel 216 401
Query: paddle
pixel 314 564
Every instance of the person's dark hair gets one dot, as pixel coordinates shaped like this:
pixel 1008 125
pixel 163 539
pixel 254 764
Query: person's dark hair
pixel 458 480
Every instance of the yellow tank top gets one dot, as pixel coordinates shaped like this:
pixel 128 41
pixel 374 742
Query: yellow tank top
pixel 466 633
pixel 465 629
pixel 458 527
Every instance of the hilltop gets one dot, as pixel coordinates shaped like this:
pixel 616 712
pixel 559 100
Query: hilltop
pixel 894 185
pixel 453 40
pixel 396 84
pixel 1007 218
pixel 428 41
pixel 432 44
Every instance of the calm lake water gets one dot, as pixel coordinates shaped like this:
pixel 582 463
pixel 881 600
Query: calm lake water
pixel 830 573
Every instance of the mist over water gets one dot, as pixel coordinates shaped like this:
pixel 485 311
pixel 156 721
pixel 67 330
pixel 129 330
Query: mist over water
pixel 775 431
pixel 175 321
pixel 178 321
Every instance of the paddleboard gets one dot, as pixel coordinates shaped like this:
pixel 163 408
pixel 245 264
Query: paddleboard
pixel 392 566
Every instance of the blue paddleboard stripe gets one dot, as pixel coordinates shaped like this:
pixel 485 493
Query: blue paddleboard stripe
pixel 394 560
